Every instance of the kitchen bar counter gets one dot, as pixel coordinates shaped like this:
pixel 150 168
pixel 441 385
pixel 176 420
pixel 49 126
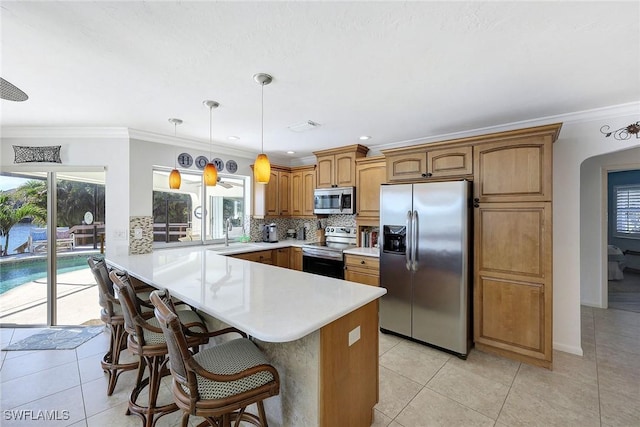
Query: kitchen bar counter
pixel 320 333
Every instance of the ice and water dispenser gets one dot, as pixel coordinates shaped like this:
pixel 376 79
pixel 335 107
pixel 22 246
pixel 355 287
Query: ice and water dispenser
pixel 394 239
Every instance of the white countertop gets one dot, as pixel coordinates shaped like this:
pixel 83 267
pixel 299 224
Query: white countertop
pixel 372 252
pixel 271 303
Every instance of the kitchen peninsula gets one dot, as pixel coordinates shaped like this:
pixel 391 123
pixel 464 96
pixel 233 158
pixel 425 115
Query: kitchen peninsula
pixel 320 333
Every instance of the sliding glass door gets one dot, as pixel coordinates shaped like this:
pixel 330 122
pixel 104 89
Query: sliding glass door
pixel 44 276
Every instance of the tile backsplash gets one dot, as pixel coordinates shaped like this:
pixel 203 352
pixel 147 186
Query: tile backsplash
pixel 143 242
pixel 296 223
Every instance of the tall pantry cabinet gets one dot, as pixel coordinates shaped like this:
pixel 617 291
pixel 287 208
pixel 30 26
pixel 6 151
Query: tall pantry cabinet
pixel 513 286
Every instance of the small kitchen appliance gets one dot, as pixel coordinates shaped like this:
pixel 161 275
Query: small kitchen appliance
pixel 270 233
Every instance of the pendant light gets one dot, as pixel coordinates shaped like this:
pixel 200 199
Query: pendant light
pixel 174 177
pixel 210 171
pixel 262 168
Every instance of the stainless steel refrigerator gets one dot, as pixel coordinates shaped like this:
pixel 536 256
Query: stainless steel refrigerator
pixel 424 263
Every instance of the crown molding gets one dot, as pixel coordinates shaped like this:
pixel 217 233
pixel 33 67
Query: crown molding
pixel 190 143
pixel 614 111
pixel 51 132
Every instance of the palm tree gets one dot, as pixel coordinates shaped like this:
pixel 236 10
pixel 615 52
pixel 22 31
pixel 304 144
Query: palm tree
pixel 10 215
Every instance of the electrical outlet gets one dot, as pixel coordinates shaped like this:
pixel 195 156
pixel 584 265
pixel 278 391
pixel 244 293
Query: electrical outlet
pixel 119 234
pixel 137 233
pixel 354 336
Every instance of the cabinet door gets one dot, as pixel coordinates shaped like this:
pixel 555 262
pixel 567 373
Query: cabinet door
pixel 308 185
pixel 284 193
pixel 345 170
pixel 282 257
pixel 513 280
pixel 296 194
pixel 513 170
pixel 271 196
pixel 369 177
pixel 448 162
pixel 406 167
pixel 362 269
pixel 325 172
pixel 295 262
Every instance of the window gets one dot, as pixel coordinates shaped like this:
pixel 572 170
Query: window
pixel 627 211
pixel 181 215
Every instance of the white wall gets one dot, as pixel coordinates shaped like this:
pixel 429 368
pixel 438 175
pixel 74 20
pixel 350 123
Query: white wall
pixel 577 142
pixel 593 221
pixel 105 148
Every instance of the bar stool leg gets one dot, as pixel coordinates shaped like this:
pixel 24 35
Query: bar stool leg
pixel 110 362
pixel 150 413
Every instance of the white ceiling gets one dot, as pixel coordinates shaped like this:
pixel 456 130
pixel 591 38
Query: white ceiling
pixel 397 71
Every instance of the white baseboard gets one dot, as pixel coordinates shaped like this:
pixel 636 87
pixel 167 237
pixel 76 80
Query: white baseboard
pixel 568 349
pixel 591 304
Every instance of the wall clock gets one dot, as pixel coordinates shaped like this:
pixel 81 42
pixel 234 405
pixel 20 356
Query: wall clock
pixel 201 162
pixel 232 166
pixel 219 164
pixel 185 160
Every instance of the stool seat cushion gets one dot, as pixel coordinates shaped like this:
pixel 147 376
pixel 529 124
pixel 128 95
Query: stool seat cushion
pixel 229 358
pixel 186 317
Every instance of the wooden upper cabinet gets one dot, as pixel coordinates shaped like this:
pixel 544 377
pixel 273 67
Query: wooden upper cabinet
pixel 284 193
pixel 336 167
pixel 445 162
pixel 325 171
pixel 516 170
pixel 436 163
pixel 370 174
pixel 274 198
pixel 271 195
pixel 303 182
pixel 406 166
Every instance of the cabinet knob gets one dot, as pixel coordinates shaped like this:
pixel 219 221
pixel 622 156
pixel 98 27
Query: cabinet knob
pixel 429 174
pixel 424 175
pixel 362 262
pixel 475 205
pixel 476 200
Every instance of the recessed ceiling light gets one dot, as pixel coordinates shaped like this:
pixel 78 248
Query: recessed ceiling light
pixel 364 137
pixel 233 138
pixel 291 152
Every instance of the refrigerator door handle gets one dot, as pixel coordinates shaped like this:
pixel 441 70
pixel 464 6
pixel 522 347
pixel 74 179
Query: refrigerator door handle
pixel 414 241
pixel 409 243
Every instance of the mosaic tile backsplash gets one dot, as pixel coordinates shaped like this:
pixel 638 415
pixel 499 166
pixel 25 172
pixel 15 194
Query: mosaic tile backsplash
pixel 143 244
pixel 311 225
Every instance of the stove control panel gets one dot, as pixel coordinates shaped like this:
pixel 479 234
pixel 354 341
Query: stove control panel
pixel 340 231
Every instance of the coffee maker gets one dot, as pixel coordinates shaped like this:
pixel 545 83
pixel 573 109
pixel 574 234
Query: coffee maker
pixel 270 233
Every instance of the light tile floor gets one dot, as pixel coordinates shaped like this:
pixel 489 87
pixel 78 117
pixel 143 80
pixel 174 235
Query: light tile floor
pixel 419 386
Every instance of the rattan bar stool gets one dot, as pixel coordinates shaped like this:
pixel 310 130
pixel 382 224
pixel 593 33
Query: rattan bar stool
pixel 217 383
pixel 110 314
pixel 147 341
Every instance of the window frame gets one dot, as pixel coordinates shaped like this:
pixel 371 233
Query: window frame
pixel 621 228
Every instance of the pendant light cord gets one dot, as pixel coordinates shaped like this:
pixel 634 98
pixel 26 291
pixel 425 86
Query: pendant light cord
pixel 262 122
pixel 210 133
pixel 175 134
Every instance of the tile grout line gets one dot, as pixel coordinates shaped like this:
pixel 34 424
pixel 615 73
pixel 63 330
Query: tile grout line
pixel 84 409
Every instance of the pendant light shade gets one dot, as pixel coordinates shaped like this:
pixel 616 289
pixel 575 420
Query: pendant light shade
pixel 174 177
pixel 262 167
pixel 210 175
pixel 210 172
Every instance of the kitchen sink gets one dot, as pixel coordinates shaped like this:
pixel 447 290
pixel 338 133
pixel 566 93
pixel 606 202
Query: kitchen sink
pixel 232 246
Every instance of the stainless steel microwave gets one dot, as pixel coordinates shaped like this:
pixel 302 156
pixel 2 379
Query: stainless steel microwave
pixel 337 200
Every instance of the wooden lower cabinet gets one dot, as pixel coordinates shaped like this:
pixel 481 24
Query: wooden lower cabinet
pixel 282 257
pixel 295 260
pixel 513 281
pixel 264 257
pixel 362 269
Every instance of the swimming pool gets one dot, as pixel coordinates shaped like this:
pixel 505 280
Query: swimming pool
pixel 17 272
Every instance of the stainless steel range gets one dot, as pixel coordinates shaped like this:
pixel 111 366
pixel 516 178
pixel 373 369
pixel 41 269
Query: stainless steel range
pixel 326 258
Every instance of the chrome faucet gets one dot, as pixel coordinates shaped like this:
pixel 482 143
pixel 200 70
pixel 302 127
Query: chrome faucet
pixel 228 227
